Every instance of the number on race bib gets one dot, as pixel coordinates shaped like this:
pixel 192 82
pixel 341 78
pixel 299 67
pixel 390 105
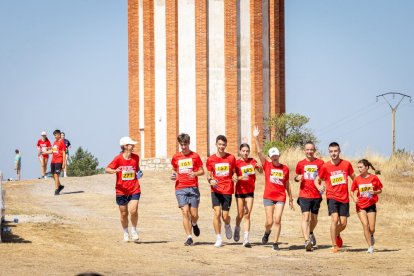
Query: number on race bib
pixel 222 169
pixel 185 166
pixel 338 179
pixel 128 175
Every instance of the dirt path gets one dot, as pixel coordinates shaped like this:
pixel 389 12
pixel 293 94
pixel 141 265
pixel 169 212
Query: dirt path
pixel 79 231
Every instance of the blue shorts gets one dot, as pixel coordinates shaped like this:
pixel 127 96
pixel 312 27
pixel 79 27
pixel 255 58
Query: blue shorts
pixel 125 199
pixel 188 196
pixel 269 202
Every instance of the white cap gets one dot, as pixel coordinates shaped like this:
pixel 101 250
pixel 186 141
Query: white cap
pixel 273 151
pixel 127 141
pixel 44 133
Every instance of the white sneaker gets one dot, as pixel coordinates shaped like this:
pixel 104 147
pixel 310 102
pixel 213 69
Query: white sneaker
pixel 229 233
pixel 370 249
pixel 126 237
pixel 372 240
pixel 134 236
pixel 218 242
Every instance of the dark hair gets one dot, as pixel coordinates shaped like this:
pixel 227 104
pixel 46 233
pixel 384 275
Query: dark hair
pixel 16 151
pixel 222 138
pixel 183 138
pixel 334 144
pixel 57 131
pixel 309 143
pixel 368 164
pixel 62 133
pixel 244 145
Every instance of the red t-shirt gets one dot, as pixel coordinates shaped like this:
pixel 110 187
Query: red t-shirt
pixel 183 165
pixel 222 170
pixel 242 168
pixel 336 180
pixel 58 149
pixel 126 179
pixel 364 186
pixel 44 145
pixel 309 171
pixel 276 178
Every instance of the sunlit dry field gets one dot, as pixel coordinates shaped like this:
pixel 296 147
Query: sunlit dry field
pixel 79 231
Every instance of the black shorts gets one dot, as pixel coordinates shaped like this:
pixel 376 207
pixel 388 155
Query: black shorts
pixel 369 209
pixel 244 195
pixel 221 200
pixel 125 199
pixel 338 207
pixel 309 204
pixel 55 168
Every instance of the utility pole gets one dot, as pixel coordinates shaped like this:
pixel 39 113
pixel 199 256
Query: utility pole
pixel 394 111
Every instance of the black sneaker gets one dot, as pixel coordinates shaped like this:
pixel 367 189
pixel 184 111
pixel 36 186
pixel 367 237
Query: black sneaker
pixel 312 239
pixel 247 244
pixel 308 246
pixel 196 230
pixel 188 242
pixel 58 190
pixel 265 237
pixel 275 246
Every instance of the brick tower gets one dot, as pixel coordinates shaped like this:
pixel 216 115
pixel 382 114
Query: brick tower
pixel 203 67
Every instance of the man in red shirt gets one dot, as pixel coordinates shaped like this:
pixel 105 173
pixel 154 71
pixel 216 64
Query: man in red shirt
pixel 221 167
pixel 335 173
pixel 187 167
pixel 309 197
pixel 58 155
pixel 128 191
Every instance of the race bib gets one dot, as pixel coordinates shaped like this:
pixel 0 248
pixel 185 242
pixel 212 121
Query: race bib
pixel 55 149
pixel 128 175
pixel 310 172
pixel 338 179
pixel 248 169
pixel 185 166
pixel 365 189
pixel 222 169
pixel 276 176
pixel 43 148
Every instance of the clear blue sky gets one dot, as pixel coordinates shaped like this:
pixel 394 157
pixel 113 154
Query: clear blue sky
pixel 64 64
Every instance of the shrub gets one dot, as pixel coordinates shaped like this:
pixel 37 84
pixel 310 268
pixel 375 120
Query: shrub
pixel 83 163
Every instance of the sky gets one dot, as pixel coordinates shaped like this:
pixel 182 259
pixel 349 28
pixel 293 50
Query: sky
pixel 64 65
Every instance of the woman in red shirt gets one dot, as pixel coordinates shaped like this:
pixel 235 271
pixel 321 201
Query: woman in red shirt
pixel 43 146
pixel 365 190
pixel 128 192
pixel 245 179
pixel 276 185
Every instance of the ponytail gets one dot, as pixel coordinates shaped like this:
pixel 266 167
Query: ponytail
pixel 368 164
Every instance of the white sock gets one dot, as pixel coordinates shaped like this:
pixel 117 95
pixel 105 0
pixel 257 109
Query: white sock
pixel 218 237
pixel 189 237
pixel 193 223
pixel 126 230
pixel 246 235
pixel 134 230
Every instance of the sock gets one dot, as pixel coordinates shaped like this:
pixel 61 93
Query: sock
pixel 134 230
pixel 226 225
pixel 189 237
pixel 311 233
pixel 218 236
pixel 237 227
pixel 126 230
pixel 246 235
pixel 193 223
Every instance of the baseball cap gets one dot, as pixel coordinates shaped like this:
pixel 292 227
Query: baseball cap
pixel 273 151
pixel 44 133
pixel 127 141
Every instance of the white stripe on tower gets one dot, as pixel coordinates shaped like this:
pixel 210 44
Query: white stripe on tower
pixel 141 76
pixel 216 83
pixel 186 69
pixel 160 79
pixel 245 85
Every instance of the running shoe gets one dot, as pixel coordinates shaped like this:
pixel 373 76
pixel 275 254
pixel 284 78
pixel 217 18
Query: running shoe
pixel 370 249
pixel 196 230
pixel 335 249
pixel 265 237
pixel 312 239
pixel 58 190
pixel 339 241
pixel 229 233
pixel 275 246
pixel 236 233
pixel 189 242
pixel 218 242
pixel 372 240
pixel 247 244
pixel 308 246
pixel 134 236
pixel 126 237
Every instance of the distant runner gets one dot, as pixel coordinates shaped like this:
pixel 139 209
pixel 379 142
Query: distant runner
pixel 17 164
pixel 187 167
pixel 68 145
pixel 245 179
pixel 128 192
pixel 276 185
pixel 365 190
pixel 43 146
pixel 309 197
pixel 335 173
pixel 221 167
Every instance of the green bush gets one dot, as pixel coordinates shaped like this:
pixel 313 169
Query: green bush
pixel 83 163
pixel 287 130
